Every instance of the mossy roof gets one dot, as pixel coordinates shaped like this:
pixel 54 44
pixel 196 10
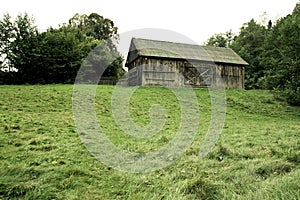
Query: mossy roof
pixel 164 49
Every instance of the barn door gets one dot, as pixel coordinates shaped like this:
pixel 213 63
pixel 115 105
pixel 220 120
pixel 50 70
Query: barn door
pixel 198 77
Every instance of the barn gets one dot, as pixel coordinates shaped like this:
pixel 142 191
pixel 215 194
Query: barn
pixel 153 62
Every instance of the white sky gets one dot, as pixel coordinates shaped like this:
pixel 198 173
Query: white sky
pixel 196 19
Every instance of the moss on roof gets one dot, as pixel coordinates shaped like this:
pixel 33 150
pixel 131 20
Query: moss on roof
pixel 154 48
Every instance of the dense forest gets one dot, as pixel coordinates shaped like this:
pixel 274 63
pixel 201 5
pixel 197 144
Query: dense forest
pixel 273 53
pixel 28 56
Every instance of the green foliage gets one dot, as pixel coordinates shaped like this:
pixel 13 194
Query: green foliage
pixel 54 56
pixel 6 33
pixel 217 40
pixel 249 44
pixel 297 9
pixel 94 25
pixel 221 39
pixel 102 60
pixel 272 52
pixel 281 54
pixel 63 51
pixel 19 41
pixel 42 156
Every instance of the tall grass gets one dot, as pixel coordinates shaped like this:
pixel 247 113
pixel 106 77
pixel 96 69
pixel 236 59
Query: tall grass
pixel 42 156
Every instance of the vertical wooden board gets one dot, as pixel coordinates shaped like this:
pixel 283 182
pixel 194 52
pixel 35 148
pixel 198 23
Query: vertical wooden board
pixel 173 72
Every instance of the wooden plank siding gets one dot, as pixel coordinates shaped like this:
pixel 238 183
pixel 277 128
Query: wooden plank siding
pixel 180 73
pixel 152 62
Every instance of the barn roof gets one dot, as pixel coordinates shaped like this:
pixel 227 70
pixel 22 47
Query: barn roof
pixel 163 49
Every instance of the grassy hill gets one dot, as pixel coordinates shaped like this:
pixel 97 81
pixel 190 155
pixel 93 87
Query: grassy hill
pixel 42 156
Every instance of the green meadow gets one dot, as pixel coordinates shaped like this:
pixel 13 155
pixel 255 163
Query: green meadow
pixel 42 156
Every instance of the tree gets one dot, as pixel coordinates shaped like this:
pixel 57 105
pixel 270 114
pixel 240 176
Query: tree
pixel 6 35
pixel 56 55
pixel 221 39
pixel 63 51
pixel 94 25
pixel 296 9
pixel 282 58
pixel 249 44
pixel 19 40
pixel 102 29
pixel 270 25
pixel 272 52
pixel 100 62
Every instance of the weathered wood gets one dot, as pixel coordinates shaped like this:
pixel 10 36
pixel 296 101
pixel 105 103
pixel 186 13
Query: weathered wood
pixel 147 69
pixel 175 73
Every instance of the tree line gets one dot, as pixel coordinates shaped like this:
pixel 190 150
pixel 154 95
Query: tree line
pixel 28 56
pixel 273 54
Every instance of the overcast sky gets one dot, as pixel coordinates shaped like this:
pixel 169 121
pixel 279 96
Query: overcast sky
pixel 197 20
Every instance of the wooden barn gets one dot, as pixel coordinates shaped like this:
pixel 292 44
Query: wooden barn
pixel 152 62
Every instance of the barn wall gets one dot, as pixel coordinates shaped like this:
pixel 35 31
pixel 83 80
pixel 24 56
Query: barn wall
pixel 179 73
pixel 232 75
pixel 135 72
pixel 159 72
pixel 151 71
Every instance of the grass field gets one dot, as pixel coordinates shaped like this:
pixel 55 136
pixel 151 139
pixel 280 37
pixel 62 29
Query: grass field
pixel 42 156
